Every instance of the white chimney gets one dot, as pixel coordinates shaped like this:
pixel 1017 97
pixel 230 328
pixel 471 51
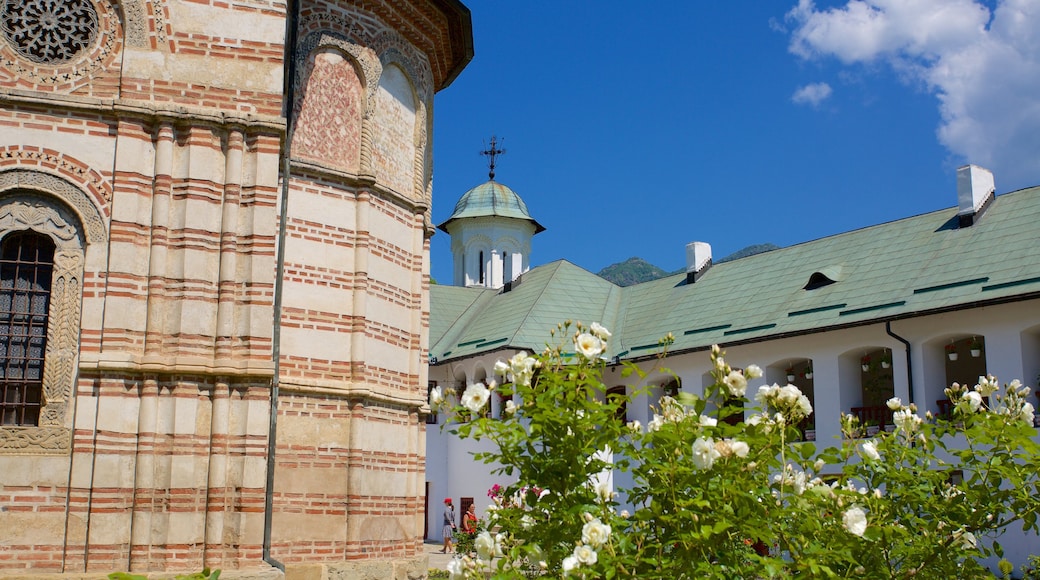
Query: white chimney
pixel 698 258
pixel 975 189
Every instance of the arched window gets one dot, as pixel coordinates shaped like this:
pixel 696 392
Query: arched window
pixel 43 241
pixel 26 267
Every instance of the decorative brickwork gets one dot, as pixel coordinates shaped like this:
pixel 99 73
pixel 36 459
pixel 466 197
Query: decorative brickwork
pixel 328 125
pixel 147 139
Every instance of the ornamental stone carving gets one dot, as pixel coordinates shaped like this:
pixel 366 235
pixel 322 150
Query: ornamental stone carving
pixel 29 211
pixel 59 43
pixel 49 31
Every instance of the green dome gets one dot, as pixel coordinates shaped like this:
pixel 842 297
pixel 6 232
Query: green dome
pixel 491 199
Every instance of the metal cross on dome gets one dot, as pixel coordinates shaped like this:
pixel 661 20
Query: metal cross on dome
pixel 492 152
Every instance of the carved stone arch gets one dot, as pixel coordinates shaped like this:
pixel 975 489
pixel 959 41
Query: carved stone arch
pixel 90 223
pixel 478 242
pixel 420 91
pixel 509 243
pixel 396 51
pixel 365 62
pixel 393 125
pixel 370 67
pixel 43 212
pixel 393 48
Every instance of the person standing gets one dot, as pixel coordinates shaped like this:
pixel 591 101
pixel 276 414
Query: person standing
pixel 449 525
pixel 469 520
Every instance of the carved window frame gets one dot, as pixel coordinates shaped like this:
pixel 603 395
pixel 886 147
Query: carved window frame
pixel 25 207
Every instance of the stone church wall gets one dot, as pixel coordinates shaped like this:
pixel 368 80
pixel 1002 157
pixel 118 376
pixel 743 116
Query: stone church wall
pixel 149 148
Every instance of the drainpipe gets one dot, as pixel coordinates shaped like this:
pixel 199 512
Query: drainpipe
pixel 909 365
pixel 288 85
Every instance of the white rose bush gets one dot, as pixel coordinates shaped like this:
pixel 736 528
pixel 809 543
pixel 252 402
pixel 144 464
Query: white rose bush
pixel 724 487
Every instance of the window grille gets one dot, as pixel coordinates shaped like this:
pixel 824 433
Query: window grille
pixel 26 265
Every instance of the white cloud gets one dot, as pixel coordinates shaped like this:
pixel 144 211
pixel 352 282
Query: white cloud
pixel 983 67
pixel 812 94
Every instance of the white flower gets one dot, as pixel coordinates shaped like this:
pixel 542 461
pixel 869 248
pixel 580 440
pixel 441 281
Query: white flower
pixel 739 448
pixel 526 522
pixel 595 533
pixel 704 452
pixel 603 490
pixel 753 371
pixel 973 399
pixel 987 385
pixel 906 420
pixel 788 395
pixel 855 520
pixel 456 569
pixel 804 406
pixel 964 540
pixel 475 397
pixel 436 396
pixel 510 407
pixel 735 383
pixel 634 425
pixel 706 421
pixel 894 403
pixel 588 345
pixel 656 423
pixel 1026 415
pixel 585 554
pixel 569 563
pixel 501 367
pixel 599 331
pixel 869 451
pixel 484 545
pixel 766 392
pixel 522 367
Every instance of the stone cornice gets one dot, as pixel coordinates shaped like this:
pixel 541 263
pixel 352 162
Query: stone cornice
pixel 175 365
pixel 348 390
pixel 366 182
pixel 122 108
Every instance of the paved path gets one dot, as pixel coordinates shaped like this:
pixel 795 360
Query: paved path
pixel 437 560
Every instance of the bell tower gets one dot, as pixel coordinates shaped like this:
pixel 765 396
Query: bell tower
pixel 491 231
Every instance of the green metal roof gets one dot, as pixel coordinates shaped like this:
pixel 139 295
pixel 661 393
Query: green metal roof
pixel 910 267
pixel 491 199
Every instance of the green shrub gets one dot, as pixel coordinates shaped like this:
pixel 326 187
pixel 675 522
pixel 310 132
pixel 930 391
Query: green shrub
pixel 928 500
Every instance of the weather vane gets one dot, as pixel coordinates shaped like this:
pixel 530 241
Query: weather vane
pixel 492 152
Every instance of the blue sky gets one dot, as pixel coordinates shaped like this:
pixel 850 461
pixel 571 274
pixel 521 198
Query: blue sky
pixel 633 128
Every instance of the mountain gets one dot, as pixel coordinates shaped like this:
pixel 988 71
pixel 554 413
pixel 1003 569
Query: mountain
pixel 631 271
pixel 749 251
pixel 636 270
